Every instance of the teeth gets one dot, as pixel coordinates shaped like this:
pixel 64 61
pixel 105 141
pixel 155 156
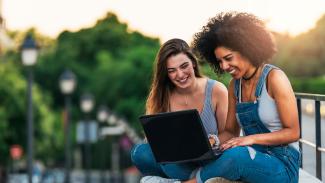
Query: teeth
pixel 182 80
pixel 232 71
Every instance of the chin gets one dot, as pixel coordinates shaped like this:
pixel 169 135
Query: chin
pixel 183 86
pixel 236 76
pixel 187 84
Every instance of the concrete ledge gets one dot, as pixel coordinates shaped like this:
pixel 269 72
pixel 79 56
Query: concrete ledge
pixel 304 177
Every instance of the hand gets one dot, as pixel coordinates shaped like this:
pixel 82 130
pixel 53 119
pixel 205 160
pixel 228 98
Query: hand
pixel 237 141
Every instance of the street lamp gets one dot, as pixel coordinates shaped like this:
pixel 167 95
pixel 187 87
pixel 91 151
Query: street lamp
pixel 87 104
pixel 67 84
pixel 29 53
pixel 112 119
pixel 102 116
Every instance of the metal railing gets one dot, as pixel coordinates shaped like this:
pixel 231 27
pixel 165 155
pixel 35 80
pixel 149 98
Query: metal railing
pixel 318 148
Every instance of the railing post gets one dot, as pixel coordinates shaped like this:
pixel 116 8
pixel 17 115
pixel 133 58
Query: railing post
pixel 299 117
pixel 318 140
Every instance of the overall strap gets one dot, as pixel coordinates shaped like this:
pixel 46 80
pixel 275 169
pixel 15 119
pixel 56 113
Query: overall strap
pixel 266 69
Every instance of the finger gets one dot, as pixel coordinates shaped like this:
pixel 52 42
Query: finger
pixel 226 146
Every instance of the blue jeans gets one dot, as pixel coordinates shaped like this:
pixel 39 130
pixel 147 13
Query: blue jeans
pixel 248 164
pixel 143 158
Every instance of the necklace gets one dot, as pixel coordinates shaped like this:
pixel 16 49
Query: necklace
pixel 187 95
pixel 251 76
pixel 252 86
pixel 186 100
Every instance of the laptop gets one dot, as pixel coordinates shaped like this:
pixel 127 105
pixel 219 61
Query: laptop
pixel 176 137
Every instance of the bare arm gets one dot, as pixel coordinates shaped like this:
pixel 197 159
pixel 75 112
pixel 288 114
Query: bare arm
pixel 221 94
pixel 280 89
pixel 232 128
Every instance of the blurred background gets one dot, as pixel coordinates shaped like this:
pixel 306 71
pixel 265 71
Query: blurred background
pixel 75 76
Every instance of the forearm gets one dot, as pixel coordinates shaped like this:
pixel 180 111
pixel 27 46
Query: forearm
pixel 226 135
pixel 284 136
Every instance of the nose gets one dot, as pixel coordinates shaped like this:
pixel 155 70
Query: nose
pixel 179 73
pixel 223 65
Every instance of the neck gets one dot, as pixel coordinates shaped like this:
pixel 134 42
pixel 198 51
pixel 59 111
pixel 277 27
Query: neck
pixel 251 73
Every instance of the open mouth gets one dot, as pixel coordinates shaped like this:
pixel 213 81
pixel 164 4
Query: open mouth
pixel 231 71
pixel 182 81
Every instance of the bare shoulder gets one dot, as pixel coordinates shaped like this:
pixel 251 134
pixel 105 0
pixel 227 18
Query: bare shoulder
pixel 278 83
pixel 219 89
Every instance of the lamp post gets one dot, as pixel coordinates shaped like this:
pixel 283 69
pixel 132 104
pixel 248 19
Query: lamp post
pixel 116 122
pixel 29 53
pixel 67 84
pixel 87 105
pixel 102 116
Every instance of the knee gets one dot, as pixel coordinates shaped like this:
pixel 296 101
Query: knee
pixel 141 153
pixel 236 155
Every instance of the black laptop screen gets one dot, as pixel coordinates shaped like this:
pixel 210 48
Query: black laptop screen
pixel 176 136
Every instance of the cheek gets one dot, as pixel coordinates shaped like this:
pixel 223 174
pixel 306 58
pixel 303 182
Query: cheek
pixel 190 69
pixel 171 76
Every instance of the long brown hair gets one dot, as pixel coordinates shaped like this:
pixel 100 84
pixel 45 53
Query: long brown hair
pixel 161 87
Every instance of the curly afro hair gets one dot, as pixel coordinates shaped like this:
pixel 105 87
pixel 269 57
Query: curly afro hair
pixel 241 32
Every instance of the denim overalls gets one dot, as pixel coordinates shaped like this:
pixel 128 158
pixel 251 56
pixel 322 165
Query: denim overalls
pixel 257 163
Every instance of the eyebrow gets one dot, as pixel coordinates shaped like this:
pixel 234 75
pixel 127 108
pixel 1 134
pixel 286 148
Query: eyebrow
pixel 227 55
pixel 224 57
pixel 178 66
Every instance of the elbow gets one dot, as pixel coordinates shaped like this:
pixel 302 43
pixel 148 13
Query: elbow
pixel 295 136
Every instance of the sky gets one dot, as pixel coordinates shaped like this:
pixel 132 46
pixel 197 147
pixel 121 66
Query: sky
pixel 158 18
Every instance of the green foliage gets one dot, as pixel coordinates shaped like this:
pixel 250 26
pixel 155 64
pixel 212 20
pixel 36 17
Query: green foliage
pixel 13 114
pixel 207 71
pixel 304 55
pixel 309 85
pixel 111 62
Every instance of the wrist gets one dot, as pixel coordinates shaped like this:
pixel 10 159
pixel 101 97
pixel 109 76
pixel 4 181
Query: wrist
pixel 216 140
pixel 254 139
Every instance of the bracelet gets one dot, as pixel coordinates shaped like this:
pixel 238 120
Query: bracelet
pixel 216 140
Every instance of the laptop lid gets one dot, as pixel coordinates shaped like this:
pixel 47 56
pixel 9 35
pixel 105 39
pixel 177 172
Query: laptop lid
pixel 177 136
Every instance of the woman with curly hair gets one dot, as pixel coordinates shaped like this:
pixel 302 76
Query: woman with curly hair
pixel 261 103
pixel 179 85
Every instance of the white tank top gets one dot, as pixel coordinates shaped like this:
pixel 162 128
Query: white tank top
pixel 270 118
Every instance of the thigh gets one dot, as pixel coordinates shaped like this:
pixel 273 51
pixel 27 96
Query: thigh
pixel 143 158
pixel 247 164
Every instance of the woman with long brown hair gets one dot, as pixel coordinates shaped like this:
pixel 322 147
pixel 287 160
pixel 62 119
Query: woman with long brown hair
pixel 178 85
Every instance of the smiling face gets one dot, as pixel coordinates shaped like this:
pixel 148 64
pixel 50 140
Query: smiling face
pixel 180 70
pixel 232 62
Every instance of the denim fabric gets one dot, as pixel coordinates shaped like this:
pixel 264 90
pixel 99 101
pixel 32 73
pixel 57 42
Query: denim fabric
pixel 143 158
pixel 257 163
pixel 180 171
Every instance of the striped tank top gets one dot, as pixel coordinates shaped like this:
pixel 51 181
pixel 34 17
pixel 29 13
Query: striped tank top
pixel 208 113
